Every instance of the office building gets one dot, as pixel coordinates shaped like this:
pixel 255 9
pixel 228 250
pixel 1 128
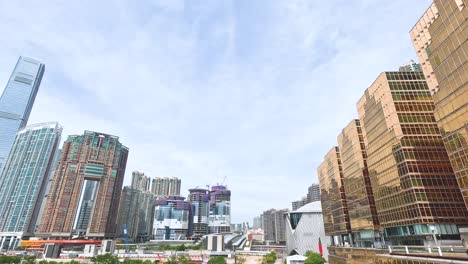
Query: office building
pixel 357 187
pixel 200 199
pixel 140 181
pixel 274 225
pixel 333 198
pixel 164 187
pixel 305 230
pixel 17 101
pixel 439 38
pixel 414 186
pixel 220 210
pixel 84 197
pixel 24 180
pixel 173 219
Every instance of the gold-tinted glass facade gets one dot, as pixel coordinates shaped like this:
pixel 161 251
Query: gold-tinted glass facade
pixel 357 186
pixel 333 199
pixel 440 39
pixel 411 176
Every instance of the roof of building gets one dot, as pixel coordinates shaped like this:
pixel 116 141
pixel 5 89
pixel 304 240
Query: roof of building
pixel 313 207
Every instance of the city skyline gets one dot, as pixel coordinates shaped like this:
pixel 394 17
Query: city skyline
pixel 197 131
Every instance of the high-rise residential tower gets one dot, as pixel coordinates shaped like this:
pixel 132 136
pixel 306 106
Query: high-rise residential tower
pixel 85 193
pixel 128 210
pixel 164 187
pixel 24 180
pixel 136 213
pixel 415 189
pixel 333 198
pixel 200 199
pixel 357 187
pixel 220 209
pixel 274 225
pixel 17 101
pixel 140 181
pixel 313 195
pixel 411 66
pixel 439 38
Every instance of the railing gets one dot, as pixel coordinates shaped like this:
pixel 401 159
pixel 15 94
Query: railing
pixel 428 250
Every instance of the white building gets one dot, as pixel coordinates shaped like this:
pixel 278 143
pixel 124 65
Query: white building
pixel 304 227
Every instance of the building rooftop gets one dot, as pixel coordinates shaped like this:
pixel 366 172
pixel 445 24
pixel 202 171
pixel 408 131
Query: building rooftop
pixel 313 207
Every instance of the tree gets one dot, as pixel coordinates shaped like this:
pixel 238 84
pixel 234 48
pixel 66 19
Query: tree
pixel 183 260
pixel 314 258
pixel 105 259
pixel 172 260
pixel 269 258
pixel 217 260
pixel 9 259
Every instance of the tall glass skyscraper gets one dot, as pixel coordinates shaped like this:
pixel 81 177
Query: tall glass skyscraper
pixel 17 100
pixel 24 180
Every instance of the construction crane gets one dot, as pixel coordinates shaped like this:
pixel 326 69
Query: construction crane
pixel 125 237
pixel 224 180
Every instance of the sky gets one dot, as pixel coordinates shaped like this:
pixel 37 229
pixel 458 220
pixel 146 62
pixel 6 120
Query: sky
pixel 247 93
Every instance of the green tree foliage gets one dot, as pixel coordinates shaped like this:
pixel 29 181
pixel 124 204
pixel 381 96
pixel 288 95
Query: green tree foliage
pixel 105 259
pixel 10 259
pixel 217 260
pixel 171 248
pixel 137 261
pixel 172 260
pixel 29 259
pixel 269 258
pixel 314 258
pixel 183 260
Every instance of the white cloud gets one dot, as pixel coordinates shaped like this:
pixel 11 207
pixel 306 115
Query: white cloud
pixel 253 90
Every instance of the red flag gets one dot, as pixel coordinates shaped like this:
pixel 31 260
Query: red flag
pixel 320 247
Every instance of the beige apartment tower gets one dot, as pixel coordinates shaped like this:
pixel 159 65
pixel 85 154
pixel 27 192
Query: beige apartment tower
pixel 164 187
pixel 440 39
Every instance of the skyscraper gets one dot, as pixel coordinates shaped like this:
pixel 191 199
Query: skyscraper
pixel 357 187
pixel 128 212
pixel 333 198
pixel 258 222
pixel 200 199
pixel 313 194
pixel 439 38
pixel 220 209
pixel 164 187
pixel 274 225
pixel 140 181
pixel 414 186
pixel 17 101
pixel 24 180
pixel 411 66
pixel 84 197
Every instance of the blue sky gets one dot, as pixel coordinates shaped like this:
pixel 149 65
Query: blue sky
pixel 253 90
